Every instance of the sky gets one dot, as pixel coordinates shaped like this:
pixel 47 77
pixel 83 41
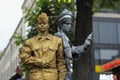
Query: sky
pixel 10 15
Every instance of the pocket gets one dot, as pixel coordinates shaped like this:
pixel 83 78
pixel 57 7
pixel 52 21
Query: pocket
pixel 49 48
pixel 35 76
pixel 51 74
pixel 52 48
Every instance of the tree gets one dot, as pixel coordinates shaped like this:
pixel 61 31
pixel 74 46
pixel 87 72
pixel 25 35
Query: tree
pixel 83 28
pixel 85 10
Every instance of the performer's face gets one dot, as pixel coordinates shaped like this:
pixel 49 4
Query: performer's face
pixel 43 23
pixel 43 26
pixel 66 25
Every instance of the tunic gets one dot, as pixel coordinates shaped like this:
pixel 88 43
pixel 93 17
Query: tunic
pixel 39 51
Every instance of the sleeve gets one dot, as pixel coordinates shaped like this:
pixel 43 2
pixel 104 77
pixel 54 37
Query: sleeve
pixel 61 63
pixel 25 54
pixel 82 48
pixel 78 49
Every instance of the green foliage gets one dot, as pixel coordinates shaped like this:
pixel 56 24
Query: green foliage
pixel 52 8
pixel 19 39
pixel 25 69
pixel 106 4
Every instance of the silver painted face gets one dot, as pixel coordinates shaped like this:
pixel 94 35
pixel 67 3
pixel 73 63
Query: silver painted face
pixel 66 27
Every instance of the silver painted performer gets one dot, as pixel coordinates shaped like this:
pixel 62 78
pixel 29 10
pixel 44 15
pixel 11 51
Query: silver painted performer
pixel 64 21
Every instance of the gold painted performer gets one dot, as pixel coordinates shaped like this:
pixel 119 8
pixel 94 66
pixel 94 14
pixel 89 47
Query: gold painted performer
pixel 44 53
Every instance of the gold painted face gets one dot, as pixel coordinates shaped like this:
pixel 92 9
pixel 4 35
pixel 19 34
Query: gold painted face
pixel 43 22
pixel 43 26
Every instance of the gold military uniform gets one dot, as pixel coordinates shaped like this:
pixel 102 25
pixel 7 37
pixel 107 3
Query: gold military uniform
pixel 48 49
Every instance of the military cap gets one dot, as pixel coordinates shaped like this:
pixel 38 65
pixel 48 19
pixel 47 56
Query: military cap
pixel 65 14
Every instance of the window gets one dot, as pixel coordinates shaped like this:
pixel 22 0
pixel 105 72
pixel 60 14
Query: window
pixel 105 32
pixel 118 32
pixel 103 56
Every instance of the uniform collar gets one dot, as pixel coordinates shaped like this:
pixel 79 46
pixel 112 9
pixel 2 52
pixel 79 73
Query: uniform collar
pixel 48 37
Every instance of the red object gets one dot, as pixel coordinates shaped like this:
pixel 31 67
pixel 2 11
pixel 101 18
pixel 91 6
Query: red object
pixel 111 65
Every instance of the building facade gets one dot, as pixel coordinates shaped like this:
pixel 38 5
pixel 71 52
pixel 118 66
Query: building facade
pixel 10 59
pixel 106 45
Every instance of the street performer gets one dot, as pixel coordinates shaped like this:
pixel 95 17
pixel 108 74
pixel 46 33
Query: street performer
pixel 64 21
pixel 44 52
